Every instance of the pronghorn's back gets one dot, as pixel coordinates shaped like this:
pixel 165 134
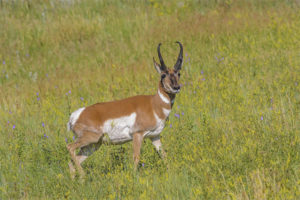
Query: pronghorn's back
pixel 133 118
pixel 125 116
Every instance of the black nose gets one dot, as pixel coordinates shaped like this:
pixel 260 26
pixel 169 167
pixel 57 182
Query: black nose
pixel 176 87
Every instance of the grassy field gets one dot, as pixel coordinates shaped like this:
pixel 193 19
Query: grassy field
pixel 238 134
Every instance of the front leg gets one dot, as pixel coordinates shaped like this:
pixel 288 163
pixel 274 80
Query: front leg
pixel 158 146
pixel 137 143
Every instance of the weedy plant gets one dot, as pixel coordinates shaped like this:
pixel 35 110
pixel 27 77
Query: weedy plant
pixel 233 132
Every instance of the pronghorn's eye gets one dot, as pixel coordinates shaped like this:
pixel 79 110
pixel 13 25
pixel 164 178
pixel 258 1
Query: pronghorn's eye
pixel 179 74
pixel 163 76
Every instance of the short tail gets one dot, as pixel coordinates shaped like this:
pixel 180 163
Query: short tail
pixel 73 118
pixel 68 126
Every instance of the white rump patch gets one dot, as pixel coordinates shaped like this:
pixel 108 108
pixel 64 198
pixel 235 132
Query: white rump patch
pixel 119 130
pixel 163 98
pixel 74 117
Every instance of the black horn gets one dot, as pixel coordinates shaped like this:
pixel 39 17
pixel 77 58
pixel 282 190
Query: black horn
pixel 162 63
pixel 178 64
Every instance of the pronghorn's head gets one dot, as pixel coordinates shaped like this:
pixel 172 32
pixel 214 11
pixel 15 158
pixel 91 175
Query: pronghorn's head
pixel 169 77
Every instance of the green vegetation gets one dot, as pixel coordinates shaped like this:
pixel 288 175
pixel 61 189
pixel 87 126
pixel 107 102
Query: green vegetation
pixel 238 132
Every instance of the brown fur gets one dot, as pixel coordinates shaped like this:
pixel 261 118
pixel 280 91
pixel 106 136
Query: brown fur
pixel 93 117
pixel 88 125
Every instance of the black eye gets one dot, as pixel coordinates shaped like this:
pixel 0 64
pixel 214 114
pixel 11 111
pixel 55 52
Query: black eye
pixel 179 74
pixel 163 76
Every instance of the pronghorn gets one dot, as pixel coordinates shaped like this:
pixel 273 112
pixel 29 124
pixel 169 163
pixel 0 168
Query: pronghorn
pixel 134 118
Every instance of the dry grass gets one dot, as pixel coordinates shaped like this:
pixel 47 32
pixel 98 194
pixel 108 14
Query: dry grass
pixel 238 132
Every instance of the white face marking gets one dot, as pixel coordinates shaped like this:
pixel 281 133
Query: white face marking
pixel 120 130
pixel 166 112
pixel 163 98
pixel 74 117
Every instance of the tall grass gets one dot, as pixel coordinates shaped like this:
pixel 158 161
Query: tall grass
pixel 237 136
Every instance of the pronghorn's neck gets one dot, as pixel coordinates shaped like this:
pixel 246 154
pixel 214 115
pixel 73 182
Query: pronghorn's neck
pixel 164 99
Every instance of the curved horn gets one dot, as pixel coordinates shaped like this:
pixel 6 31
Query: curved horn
pixel 162 64
pixel 178 64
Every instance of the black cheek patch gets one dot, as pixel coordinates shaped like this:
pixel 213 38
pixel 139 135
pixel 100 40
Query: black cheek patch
pixel 163 76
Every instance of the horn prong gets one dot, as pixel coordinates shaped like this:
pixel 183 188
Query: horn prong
pixel 162 63
pixel 178 64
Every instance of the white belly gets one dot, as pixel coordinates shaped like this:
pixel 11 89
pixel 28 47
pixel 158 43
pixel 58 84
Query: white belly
pixel 120 130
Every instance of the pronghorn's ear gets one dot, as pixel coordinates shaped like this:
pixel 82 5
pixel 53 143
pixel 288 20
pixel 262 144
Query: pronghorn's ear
pixel 157 66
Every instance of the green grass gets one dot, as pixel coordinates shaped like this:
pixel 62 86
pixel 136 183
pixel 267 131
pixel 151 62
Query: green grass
pixel 238 132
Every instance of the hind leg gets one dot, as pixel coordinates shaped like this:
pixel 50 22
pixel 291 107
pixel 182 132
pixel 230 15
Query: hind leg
pixel 72 170
pixel 86 139
pixel 83 154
